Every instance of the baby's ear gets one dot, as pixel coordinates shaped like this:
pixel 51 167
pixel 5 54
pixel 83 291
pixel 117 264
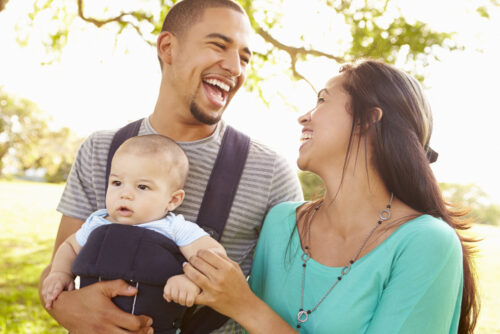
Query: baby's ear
pixel 175 200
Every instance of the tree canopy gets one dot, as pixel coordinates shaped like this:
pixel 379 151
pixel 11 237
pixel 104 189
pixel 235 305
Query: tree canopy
pixel 343 31
pixel 27 142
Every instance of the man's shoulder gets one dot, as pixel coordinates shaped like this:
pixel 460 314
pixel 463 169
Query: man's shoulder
pixel 100 139
pixel 95 148
pixel 261 151
pixel 101 136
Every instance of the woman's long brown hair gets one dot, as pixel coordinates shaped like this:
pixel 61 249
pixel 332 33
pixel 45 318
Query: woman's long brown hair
pixel 400 154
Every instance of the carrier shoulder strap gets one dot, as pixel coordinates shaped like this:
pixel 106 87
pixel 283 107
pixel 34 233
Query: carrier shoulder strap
pixel 223 182
pixel 213 215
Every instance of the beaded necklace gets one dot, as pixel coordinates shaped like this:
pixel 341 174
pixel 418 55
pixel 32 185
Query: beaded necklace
pixel 303 315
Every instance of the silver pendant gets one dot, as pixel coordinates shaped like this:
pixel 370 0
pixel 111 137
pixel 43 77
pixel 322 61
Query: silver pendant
pixel 302 316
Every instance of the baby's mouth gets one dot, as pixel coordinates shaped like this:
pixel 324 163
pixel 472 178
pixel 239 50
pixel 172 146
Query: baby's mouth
pixel 124 211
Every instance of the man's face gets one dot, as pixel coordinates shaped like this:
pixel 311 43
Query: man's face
pixel 209 63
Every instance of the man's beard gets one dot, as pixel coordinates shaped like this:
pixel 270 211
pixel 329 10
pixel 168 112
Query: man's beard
pixel 202 117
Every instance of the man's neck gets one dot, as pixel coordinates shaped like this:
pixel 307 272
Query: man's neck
pixel 179 126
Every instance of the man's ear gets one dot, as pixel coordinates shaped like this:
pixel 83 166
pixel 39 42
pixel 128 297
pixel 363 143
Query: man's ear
pixel 165 42
pixel 176 200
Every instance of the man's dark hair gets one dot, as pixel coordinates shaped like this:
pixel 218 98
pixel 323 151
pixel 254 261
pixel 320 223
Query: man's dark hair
pixel 185 13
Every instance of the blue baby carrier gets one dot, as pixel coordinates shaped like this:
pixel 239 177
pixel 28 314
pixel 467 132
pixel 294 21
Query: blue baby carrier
pixel 146 259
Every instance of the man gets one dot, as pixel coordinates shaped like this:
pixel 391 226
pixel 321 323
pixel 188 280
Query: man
pixel 203 51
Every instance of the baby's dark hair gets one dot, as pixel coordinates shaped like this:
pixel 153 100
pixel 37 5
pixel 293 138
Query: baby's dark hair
pixel 165 150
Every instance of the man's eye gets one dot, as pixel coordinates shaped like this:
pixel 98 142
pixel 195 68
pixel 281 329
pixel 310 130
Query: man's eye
pixel 143 187
pixel 219 45
pixel 245 60
pixel 116 183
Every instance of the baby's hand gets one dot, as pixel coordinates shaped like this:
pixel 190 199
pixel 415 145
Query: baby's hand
pixel 54 284
pixel 181 290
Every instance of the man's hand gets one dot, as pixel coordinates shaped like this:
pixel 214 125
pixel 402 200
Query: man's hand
pixel 90 310
pixel 54 284
pixel 181 290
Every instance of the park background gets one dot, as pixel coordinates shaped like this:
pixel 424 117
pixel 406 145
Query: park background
pixel 65 73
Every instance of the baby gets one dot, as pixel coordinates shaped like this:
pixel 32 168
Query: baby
pixel 145 183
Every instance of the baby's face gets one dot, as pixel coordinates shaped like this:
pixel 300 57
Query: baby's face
pixel 139 189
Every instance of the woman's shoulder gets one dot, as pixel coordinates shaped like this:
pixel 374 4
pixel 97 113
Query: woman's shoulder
pixel 426 233
pixel 429 226
pixel 280 215
pixel 285 207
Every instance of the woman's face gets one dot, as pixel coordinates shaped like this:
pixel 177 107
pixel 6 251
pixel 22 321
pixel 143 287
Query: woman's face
pixel 326 129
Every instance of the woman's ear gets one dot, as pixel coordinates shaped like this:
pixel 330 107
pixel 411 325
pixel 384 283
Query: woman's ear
pixel 176 200
pixel 164 45
pixel 376 115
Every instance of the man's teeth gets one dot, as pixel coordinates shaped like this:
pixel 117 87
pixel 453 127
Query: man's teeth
pixel 218 83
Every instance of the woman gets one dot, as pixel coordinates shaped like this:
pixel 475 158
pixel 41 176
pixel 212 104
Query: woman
pixel 379 253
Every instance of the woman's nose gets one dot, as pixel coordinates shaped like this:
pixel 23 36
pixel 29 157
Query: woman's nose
pixel 304 118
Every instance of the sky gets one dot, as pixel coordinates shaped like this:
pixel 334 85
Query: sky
pixel 101 83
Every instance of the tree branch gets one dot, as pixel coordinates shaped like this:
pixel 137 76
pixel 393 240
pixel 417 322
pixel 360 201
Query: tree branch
pixel 299 76
pixel 119 19
pixel 294 51
pixel 2 4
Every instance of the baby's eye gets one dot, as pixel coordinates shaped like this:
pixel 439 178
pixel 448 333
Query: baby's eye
pixel 143 187
pixel 116 183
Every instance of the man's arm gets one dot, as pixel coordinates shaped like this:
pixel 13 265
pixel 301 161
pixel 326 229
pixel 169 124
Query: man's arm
pixel 90 309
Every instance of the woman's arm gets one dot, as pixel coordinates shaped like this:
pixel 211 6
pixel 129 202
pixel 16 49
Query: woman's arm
pixel 225 289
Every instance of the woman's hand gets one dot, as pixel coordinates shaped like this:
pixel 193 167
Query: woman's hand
pixel 223 284
pixel 226 290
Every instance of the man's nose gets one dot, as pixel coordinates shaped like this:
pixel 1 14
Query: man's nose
pixel 232 63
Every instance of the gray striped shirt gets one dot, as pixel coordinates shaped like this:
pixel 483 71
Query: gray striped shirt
pixel 267 180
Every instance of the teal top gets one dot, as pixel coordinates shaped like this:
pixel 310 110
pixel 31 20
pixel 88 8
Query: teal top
pixel 410 283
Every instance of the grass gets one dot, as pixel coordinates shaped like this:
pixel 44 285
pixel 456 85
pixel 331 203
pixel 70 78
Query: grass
pixel 28 225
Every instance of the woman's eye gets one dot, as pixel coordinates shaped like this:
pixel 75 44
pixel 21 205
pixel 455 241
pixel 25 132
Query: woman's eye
pixel 320 100
pixel 142 187
pixel 116 183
